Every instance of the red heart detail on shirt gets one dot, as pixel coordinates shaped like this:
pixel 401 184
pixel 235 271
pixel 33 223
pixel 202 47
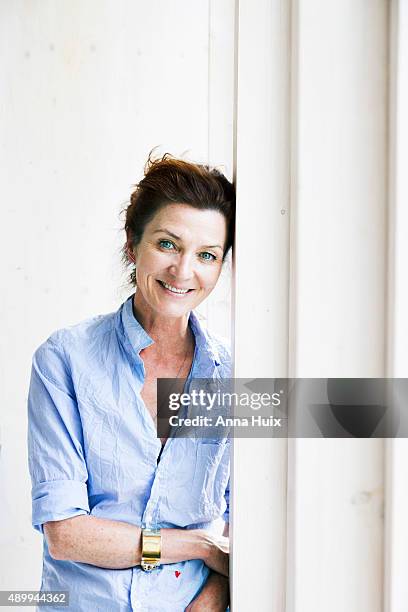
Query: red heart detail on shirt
pixel 177 573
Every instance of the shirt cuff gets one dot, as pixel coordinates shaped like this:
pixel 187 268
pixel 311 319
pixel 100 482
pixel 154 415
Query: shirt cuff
pixel 57 500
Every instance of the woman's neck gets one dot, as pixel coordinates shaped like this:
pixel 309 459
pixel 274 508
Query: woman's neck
pixel 169 333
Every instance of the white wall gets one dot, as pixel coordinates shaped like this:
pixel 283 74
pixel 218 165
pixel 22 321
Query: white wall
pixel 88 89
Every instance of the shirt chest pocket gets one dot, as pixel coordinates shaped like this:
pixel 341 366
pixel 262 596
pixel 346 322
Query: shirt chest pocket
pixel 211 475
pixel 198 477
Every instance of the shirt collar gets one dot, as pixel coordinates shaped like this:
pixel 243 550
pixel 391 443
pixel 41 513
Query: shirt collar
pixel 139 339
pixel 134 332
pixel 203 341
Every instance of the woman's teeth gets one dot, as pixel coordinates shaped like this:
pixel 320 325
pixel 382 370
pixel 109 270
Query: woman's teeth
pixel 174 289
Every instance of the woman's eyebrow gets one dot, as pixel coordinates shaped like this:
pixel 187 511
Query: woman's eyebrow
pixel 212 246
pixel 166 231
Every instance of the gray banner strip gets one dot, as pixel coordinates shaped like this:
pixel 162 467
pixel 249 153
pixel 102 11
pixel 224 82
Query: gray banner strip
pixel 283 408
pixel 57 599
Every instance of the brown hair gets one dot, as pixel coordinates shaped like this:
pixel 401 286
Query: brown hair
pixel 170 180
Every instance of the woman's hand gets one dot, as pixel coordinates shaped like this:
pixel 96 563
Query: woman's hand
pixel 216 553
pixel 213 597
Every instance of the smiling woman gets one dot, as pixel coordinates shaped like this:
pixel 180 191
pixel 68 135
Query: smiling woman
pixel 129 519
pixel 174 267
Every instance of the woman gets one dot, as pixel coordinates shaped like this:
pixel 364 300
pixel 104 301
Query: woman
pixel 128 518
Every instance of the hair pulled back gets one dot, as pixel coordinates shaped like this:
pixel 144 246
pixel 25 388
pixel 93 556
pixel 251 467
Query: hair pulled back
pixel 169 180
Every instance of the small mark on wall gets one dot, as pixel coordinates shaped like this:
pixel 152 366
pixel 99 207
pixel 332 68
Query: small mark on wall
pixel 362 497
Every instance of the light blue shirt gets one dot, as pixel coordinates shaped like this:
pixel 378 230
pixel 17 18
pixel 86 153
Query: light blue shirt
pixel 93 449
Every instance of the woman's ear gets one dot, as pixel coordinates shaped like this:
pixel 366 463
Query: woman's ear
pixel 130 249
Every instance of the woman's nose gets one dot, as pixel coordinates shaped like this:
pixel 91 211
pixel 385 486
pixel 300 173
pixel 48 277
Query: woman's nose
pixel 182 269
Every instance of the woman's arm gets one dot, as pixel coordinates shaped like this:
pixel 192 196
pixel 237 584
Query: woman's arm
pixel 117 545
pixel 213 597
pixel 215 594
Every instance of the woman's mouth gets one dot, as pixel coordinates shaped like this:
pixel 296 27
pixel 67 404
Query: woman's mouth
pixel 176 291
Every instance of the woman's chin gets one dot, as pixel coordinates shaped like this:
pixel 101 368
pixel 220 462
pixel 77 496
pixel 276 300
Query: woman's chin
pixel 174 310
pixel 176 307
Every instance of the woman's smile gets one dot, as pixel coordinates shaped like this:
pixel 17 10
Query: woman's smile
pixel 174 291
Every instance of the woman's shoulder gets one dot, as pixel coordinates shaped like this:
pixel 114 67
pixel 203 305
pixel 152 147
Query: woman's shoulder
pixel 77 337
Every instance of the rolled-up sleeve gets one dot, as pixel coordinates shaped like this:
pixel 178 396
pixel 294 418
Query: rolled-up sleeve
pixel 55 440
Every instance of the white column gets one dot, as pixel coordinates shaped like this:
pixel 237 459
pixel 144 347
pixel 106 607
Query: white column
pixel 396 509
pixel 338 310
pixel 261 294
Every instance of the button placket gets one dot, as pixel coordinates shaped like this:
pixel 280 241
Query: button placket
pixel 152 507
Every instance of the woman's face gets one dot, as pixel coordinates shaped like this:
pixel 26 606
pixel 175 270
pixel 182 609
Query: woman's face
pixel 179 258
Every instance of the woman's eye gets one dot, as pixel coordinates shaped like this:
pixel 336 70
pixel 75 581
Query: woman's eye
pixel 166 244
pixel 207 256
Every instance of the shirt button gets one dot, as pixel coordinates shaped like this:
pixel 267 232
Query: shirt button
pixel 138 605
